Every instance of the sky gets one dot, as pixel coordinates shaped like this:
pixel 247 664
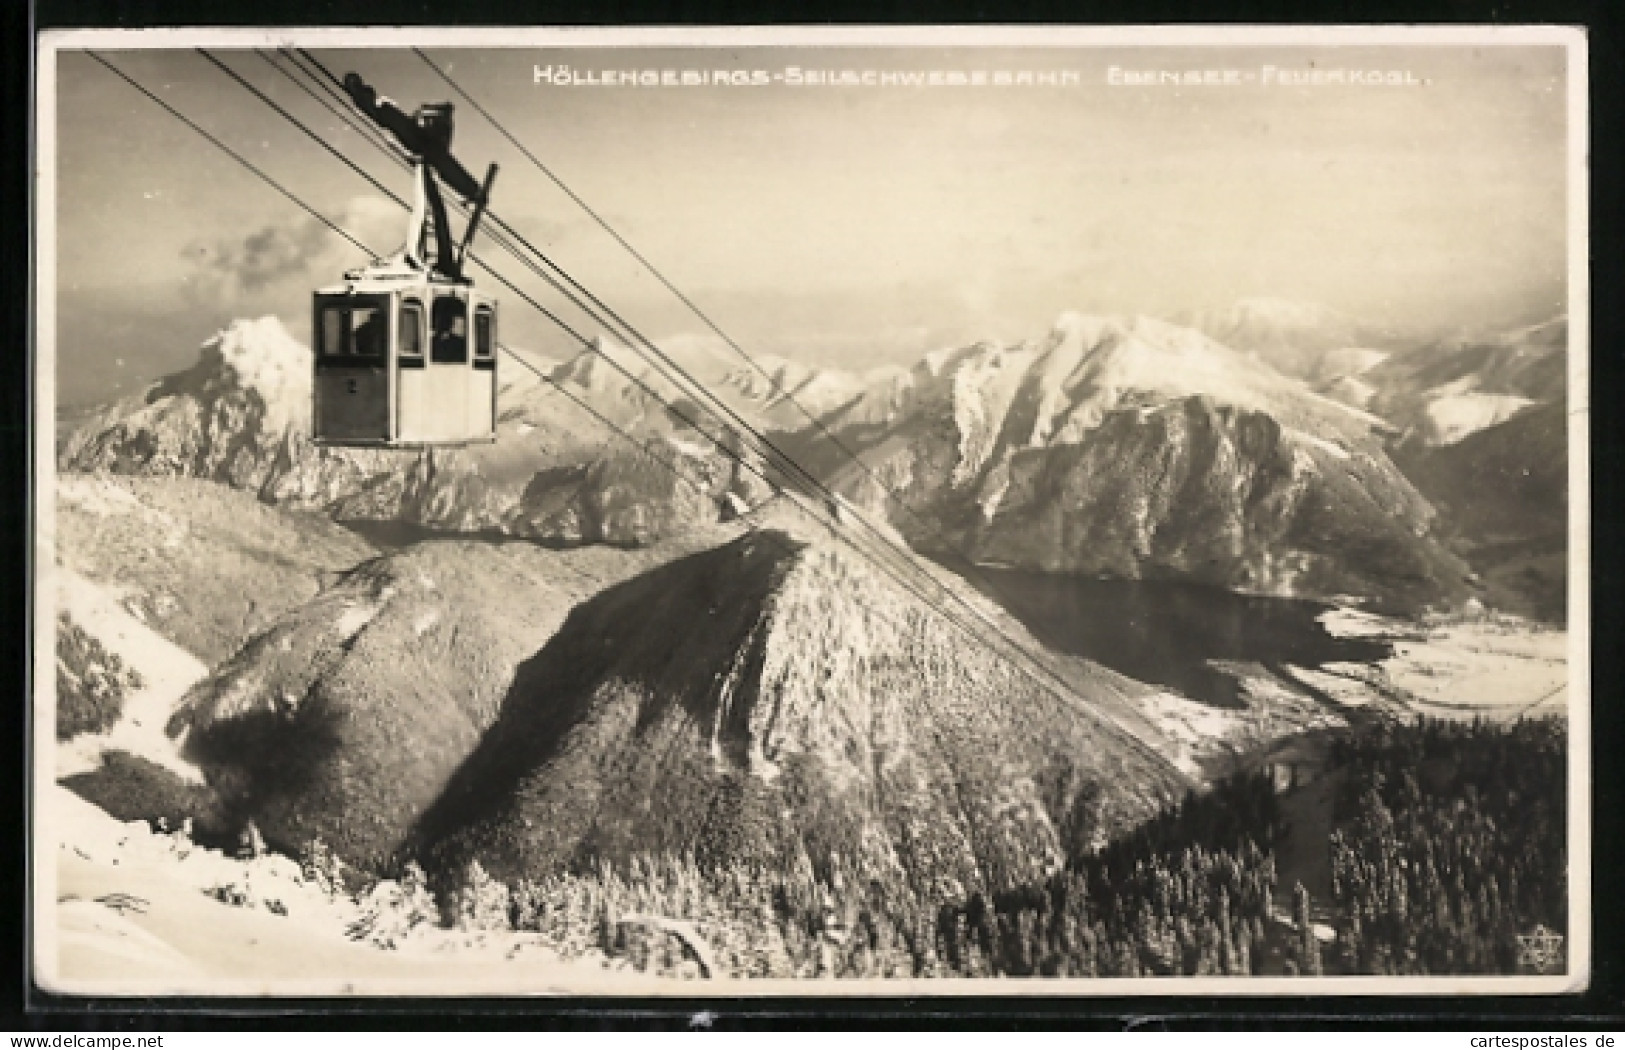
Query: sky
pixel 846 226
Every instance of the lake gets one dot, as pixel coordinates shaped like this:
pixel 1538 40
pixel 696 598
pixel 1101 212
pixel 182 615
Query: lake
pixel 390 534
pixel 1167 632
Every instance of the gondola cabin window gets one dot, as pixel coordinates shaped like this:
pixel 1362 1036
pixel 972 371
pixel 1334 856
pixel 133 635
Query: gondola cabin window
pixel 330 333
pixel 355 330
pixel 352 388
pixel 484 337
pixel 449 320
pixel 411 333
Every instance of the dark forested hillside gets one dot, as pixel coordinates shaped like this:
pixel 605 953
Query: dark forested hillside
pixel 1450 844
pixel 1446 851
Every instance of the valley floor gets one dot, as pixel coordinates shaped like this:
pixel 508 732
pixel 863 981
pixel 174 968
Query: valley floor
pixel 1498 668
pixel 1494 667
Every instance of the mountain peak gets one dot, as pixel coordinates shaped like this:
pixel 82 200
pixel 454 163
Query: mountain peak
pixel 266 360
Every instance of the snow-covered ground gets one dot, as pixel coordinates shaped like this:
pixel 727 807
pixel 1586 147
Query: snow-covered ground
pixel 166 671
pixel 1208 740
pixel 1451 417
pixel 134 911
pixel 135 914
pixel 1491 667
pixel 1495 667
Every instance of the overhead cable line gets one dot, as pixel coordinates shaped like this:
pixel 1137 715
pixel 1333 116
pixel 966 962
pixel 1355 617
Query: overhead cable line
pixel 302 79
pixel 337 154
pixel 581 339
pixel 575 292
pixel 796 468
pixel 788 395
pixel 228 151
pixel 494 219
pixel 934 529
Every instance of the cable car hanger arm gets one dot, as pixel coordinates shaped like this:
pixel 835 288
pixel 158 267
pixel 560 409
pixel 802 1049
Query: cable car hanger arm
pixel 426 136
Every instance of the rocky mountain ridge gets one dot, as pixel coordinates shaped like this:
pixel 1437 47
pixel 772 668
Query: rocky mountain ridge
pixel 1117 445
pixel 1441 392
pixel 1134 447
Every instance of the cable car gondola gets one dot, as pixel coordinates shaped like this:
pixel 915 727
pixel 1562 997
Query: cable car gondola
pixel 405 348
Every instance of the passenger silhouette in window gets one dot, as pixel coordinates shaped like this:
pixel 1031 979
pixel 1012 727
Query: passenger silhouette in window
pixel 368 339
pixel 450 341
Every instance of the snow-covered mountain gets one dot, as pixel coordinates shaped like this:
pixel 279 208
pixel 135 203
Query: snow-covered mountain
pixel 1136 447
pixel 240 415
pixel 1441 392
pixel 1119 445
pixel 766 698
pixel 1290 336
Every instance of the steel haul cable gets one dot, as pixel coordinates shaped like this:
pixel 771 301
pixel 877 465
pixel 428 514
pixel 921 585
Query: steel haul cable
pixel 530 263
pixel 936 531
pixel 370 135
pixel 812 417
pixel 622 329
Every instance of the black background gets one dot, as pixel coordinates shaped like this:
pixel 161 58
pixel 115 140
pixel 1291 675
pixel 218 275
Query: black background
pixel 1602 1007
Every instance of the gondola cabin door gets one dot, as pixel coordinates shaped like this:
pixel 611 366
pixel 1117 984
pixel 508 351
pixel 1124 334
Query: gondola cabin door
pixel 405 366
pixel 352 336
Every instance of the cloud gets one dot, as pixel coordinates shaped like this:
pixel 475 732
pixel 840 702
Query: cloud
pixel 267 255
pixel 265 267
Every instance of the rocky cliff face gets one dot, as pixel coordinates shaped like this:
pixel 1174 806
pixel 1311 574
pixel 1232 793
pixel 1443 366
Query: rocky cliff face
pixel 1138 448
pixel 241 416
pixel 1502 494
